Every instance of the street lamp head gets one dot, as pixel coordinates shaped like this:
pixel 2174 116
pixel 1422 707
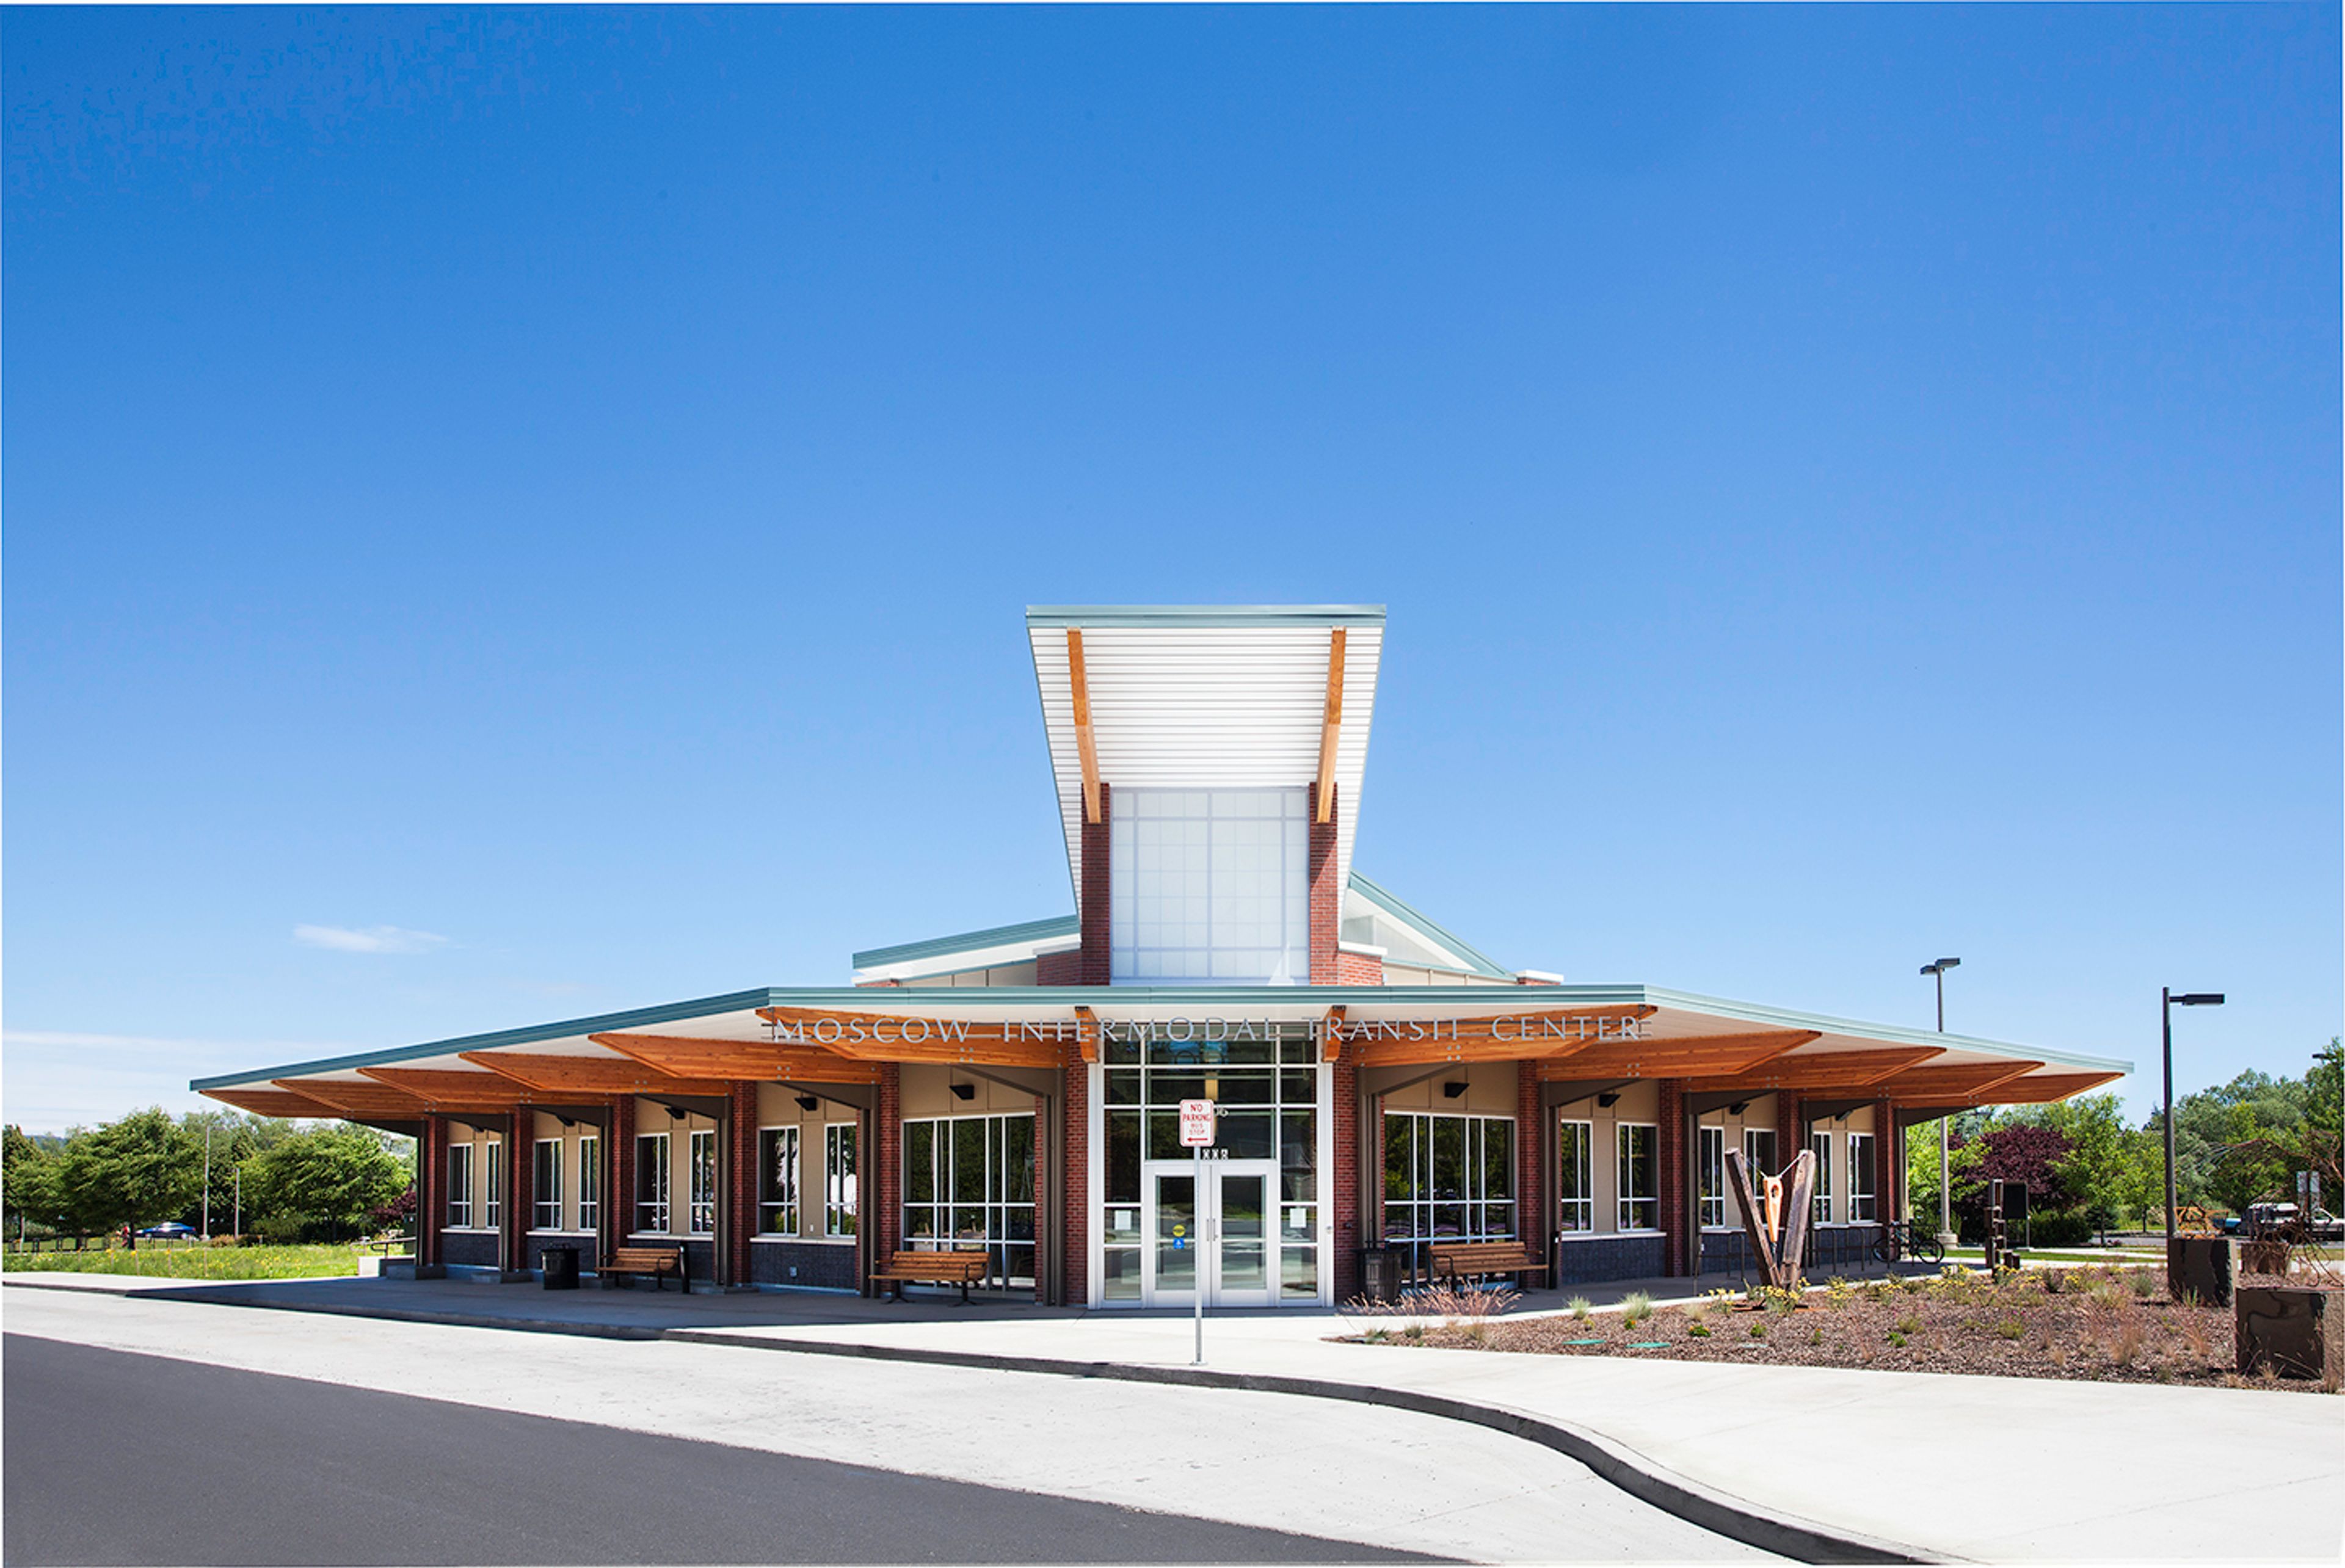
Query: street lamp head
pixel 2199 999
pixel 1940 967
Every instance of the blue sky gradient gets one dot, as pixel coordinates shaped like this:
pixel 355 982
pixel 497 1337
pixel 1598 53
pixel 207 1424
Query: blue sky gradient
pixel 549 496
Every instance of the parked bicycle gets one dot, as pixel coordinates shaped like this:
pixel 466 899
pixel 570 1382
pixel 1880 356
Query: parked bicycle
pixel 1902 1239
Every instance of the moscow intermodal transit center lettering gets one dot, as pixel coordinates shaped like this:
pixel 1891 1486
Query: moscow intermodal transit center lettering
pixel 897 1031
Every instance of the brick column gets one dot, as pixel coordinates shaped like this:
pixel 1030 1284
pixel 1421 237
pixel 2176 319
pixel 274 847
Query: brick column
pixel 1326 897
pixel 1887 1146
pixel 1676 1173
pixel 1074 1181
pixel 521 1178
pixel 431 1188
pixel 1095 963
pixel 619 1162
pixel 741 1179
pixel 1342 1189
pixel 886 1180
pixel 1531 1227
pixel 1790 1127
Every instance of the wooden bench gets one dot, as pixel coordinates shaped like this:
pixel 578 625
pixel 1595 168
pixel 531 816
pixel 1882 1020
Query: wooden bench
pixel 1453 1260
pixel 963 1268
pixel 659 1262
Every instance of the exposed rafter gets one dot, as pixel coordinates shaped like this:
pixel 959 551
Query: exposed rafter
pixel 1331 727
pixel 2044 1089
pixel 1965 1083
pixel 1833 1070
pixel 553 1077
pixel 1687 1056
pixel 760 1061
pixel 1331 1043
pixel 1557 1032
pixel 273 1102
pixel 452 1089
pixel 1086 743
pixel 358 1097
pixel 1087 1034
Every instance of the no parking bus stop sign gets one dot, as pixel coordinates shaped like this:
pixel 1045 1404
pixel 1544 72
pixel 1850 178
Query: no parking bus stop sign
pixel 1196 1124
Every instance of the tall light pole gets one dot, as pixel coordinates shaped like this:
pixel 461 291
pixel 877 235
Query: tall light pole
pixel 1945 1188
pixel 2167 1001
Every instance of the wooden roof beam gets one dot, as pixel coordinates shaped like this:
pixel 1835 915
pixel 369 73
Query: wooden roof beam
pixel 1689 1057
pixel 762 1061
pixel 891 1038
pixel 1331 725
pixel 1086 747
pixel 273 1102
pixel 363 1098
pixel 552 1076
pixel 1965 1083
pixel 1831 1070
pixel 446 1088
pixel 1331 1031
pixel 1087 1034
pixel 2044 1089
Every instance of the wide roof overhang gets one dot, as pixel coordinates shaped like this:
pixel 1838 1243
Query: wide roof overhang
pixel 1206 697
pixel 773 1035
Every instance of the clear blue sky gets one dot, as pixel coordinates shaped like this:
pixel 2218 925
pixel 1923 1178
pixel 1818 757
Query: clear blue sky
pixel 549 496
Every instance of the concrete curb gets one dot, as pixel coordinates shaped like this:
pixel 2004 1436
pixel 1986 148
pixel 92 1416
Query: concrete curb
pixel 1771 1530
pixel 1784 1533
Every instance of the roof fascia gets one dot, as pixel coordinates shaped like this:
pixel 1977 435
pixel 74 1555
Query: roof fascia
pixel 1751 1012
pixel 1408 914
pixel 673 1012
pixel 1090 616
pixel 1056 926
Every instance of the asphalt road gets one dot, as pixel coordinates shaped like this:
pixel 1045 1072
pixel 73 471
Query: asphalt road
pixel 118 1458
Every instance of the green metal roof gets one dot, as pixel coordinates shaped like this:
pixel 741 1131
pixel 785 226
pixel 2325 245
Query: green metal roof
pixel 1091 615
pixel 1480 962
pixel 1058 925
pixel 1193 1000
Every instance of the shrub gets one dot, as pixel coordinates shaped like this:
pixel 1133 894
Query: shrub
pixel 2011 1328
pixel 1909 1324
pixel 1759 1329
pixel 1579 1307
pixel 1816 1335
pixel 2142 1283
pixel 1635 1308
pixel 1697 1330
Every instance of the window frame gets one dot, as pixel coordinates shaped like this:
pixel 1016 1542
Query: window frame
pixel 701 1200
pixel 590 1181
pixel 1586 1174
pixel 767 1203
pixel 459 1185
pixel 1864 1194
pixel 842 1214
pixel 942 1205
pixel 1194 860
pixel 662 1203
pixel 493 1201
pixel 1625 1205
pixel 1820 1202
pixel 1710 1192
pixel 544 1178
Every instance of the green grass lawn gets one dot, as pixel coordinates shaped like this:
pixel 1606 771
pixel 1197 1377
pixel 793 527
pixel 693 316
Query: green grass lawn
pixel 194 1263
pixel 2063 1254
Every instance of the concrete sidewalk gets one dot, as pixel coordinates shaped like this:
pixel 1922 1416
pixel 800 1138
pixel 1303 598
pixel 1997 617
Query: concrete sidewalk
pixel 1813 1462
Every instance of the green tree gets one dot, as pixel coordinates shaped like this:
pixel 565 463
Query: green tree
pixel 2095 1168
pixel 321 1183
pixel 136 1171
pixel 28 1180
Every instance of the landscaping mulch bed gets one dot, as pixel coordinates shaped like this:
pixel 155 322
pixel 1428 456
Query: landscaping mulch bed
pixel 2107 1325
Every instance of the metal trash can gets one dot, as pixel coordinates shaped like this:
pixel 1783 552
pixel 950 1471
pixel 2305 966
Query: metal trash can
pixel 1380 1273
pixel 560 1267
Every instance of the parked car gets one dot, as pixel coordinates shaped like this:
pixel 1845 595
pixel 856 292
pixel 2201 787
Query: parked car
pixel 170 1231
pixel 2325 1226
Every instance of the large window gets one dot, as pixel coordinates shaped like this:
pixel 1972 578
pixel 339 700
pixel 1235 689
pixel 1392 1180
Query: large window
pixel 703 1216
pixel 493 1205
pixel 460 1185
pixel 1759 1149
pixel 1821 1207
pixel 590 1184
pixel 1861 1207
pixel 968 1182
pixel 1575 1183
pixel 777 1181
pixel 1713 1175
pixel 1268 1094
pixel 1640 1188
pixel 651 1183
pixel 1210 887
pixel 545 1184
pixel 1447 1178
pixel 838 1179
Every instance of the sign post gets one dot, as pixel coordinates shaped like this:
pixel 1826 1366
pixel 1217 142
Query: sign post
pixel 1196 1137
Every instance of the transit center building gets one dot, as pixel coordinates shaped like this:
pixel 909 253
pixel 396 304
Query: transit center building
pixel 1382 1085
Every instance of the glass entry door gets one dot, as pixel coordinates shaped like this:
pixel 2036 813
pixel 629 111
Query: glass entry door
pixel 1210 1223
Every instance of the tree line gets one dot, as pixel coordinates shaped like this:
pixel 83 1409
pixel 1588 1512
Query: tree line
pixel 277 1180
pixel 2088 1170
